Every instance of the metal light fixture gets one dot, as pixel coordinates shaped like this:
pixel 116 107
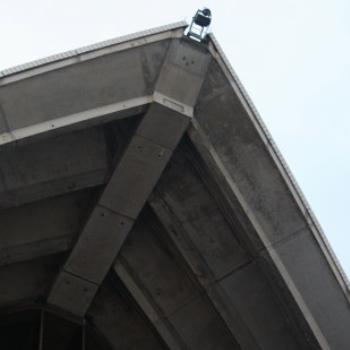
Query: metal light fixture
pixel 200 25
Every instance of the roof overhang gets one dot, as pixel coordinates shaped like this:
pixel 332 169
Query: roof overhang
pixel 53 118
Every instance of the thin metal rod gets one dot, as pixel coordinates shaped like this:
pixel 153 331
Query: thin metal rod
pixel 41 330
pixel 83 331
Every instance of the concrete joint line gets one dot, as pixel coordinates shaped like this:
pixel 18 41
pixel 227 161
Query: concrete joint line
pixel 134 177
pixel 203 145
pixel 78 276
pixel 161 324
pixel 233 321
pixel 90 117
pixel 124 197
pixel 218 54
pixel 172 104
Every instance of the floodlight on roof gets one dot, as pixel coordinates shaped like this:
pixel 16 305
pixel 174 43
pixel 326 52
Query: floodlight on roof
pixel 199 26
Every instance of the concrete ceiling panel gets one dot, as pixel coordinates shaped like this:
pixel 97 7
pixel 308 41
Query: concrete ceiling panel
pixel 28 282
pixel 120 321
pixel 200 327
pixel 249 293
pixel 156 269
pixel 82 86
pixel 26 168
pixel 182 201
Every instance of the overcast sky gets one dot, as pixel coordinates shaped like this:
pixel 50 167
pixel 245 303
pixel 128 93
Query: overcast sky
pixel 293 57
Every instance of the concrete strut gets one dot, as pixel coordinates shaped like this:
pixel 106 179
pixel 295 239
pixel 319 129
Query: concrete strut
pixel 133 179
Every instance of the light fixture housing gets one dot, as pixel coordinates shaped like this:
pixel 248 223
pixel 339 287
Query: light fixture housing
pixel 199 26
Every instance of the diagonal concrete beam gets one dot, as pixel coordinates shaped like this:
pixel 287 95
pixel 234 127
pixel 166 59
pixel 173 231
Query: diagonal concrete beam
pixel 308 329
pixel 196 260
pixel 134 178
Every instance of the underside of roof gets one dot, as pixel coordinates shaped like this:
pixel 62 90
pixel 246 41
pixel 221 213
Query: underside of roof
pixel 143 205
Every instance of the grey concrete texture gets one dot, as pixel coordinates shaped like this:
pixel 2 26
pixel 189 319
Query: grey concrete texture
pixel 49 167
pixel 43 227
pixel 312 276
pixel 122 200
pixel 196 223
pixel 120 321
pixel 259 310
pixel 3 122
pixel 217 256
pixel 201 264
pixel 235 139
pixel 276 214
pixel 200 328
pixel 82 86
pixel 28 282
pixel 182 75
pixel 157 270
pixel 163 126
pixel 161 277
pixel 92 256
pixel 72 293
pixel 134 177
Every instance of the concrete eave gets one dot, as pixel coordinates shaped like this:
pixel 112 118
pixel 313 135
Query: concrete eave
pixel 275 153
pixel 77 90
pixel 91 51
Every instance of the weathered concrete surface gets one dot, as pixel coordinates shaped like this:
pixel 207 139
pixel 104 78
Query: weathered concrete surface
pixel 3 126
pixel 225 254
pixel 44 227
pixel 239 146
pixel 117 317
pixel 131 183
pixel 189 209
pixel 219 258
pixel 28 282
pixel 312 275
pixel 116 77
pixel 256 181
pixel 51 167
pixel 179 311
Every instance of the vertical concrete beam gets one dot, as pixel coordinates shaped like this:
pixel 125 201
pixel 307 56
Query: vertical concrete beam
pixel 134 178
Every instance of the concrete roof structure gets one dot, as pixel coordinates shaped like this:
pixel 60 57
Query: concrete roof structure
pixel 144 205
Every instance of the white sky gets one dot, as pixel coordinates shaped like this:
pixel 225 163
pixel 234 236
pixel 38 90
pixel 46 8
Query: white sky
pixel 293 56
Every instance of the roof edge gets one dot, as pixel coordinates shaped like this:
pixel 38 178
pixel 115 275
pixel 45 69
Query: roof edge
pixel 311 220
pixel 90 48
